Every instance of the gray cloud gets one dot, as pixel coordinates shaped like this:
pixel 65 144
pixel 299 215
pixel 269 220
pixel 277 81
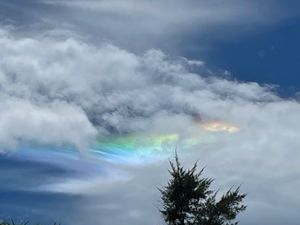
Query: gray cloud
pixel 140 25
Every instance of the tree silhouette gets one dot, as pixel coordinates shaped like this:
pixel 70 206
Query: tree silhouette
pixel 188 200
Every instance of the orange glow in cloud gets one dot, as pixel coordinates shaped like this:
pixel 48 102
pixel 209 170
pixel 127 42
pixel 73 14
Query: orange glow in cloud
pixel 219 126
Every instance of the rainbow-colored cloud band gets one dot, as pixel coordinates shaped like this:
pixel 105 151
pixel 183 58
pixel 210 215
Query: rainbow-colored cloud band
pixel 137 147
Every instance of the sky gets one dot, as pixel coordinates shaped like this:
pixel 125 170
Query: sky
pixel 95 96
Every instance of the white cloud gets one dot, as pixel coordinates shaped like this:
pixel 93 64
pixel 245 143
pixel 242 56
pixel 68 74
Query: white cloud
pixel 118 91
pixel 58 91
pixel 57 123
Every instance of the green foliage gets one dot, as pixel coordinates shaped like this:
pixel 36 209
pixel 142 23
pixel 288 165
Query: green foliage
pixel 188 200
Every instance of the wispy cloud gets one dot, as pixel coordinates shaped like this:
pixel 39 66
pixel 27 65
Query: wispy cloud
pixel 143 24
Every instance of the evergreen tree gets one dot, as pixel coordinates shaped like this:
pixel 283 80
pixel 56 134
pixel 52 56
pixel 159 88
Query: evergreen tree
pixel 188 200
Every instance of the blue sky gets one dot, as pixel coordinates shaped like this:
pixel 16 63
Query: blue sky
pixel 130 80
pixel 268 57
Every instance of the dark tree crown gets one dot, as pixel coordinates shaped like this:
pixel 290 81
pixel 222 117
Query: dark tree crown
pixel 188 200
